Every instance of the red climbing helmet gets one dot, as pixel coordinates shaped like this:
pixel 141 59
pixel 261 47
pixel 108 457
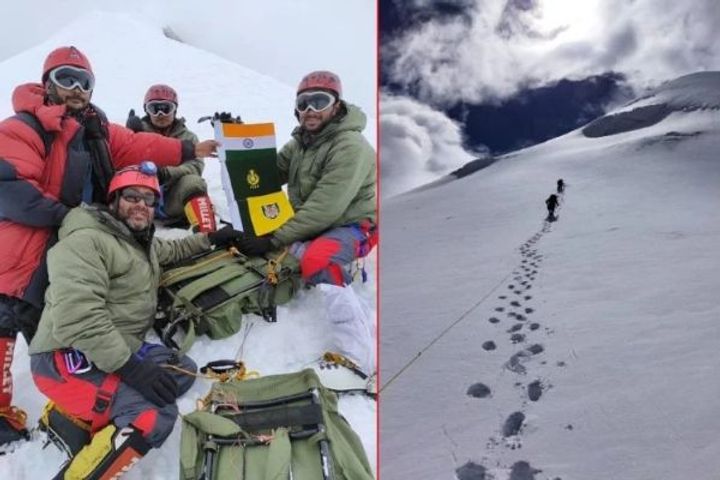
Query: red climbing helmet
pixel 161 92
pixel 143 175
pixel 65 56
pixel 323 80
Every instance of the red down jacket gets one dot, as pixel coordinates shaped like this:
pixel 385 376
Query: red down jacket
pixel 37 187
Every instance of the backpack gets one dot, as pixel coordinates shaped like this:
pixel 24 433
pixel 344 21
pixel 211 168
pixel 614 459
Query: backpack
pixel 274 427
pixel 208 294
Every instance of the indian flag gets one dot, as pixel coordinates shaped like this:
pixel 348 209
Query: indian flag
pixel 250 177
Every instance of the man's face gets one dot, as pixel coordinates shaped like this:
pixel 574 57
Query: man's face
pixel 313 121
pixel 133 209
pixel 75 99
pixel 162 114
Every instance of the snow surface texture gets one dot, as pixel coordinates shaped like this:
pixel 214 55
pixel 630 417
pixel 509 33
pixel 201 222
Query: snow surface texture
pixel 582 349
pixel 125 65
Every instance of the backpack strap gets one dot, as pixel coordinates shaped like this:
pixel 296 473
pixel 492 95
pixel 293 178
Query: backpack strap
pixel 32 121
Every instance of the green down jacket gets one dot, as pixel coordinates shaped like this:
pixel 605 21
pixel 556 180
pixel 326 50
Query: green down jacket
pixel 331 177
pixel 103 287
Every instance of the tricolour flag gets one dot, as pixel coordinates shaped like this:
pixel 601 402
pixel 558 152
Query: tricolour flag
pixel 250 177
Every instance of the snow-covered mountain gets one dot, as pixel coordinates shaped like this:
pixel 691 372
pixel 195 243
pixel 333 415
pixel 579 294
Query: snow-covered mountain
pixel 582 349
pixel 128 56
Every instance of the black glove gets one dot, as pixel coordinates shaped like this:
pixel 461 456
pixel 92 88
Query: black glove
pixel 225 236
pixel 134 122
pixel 227 117
pixel 154 383
pixel 255 246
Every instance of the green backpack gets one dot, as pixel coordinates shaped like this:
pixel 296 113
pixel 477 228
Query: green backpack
pixel 277 427
pixel 208 294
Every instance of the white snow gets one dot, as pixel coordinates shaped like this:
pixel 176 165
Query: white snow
pixel 625 295
pixel 127 56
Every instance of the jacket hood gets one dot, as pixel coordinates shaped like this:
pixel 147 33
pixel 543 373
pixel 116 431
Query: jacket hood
pixel 96 218
pixel 30 97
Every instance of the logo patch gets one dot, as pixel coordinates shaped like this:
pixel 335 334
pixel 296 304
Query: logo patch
pixel 253 179
pixel 271 211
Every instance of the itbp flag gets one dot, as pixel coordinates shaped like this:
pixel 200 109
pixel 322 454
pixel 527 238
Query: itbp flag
pixel 250 177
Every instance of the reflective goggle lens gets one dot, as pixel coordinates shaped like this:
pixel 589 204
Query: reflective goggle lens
pixel 133 196
pixel 160 108
pixel 315 101
pixel 71 77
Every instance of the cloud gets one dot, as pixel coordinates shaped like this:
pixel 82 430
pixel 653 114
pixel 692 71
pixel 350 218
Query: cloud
pixel 512 44
pixel 417 144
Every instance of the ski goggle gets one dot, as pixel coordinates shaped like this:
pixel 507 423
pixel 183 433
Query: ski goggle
pixel 316 101
pixel 160 107
pixel 72 77
pixel 133 196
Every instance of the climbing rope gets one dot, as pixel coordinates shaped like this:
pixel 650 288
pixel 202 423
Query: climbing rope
pixel 233 371
pixel 442 334
pixel 274 266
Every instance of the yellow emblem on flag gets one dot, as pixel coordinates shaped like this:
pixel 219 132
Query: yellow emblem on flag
pixel 269 212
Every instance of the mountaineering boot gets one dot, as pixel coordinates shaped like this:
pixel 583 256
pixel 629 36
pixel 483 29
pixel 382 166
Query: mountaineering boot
pixel 70 434
pixel 110 453
pixel 201 214
pixel 12 419
pixel 352 362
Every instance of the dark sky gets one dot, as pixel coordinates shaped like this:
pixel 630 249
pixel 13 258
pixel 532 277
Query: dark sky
pixel 533 115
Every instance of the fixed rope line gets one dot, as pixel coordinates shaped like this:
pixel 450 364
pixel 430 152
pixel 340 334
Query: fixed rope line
pixel 442 334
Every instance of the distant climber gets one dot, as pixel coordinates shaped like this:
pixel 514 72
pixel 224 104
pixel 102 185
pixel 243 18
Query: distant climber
pixel 552 203
pixel 560 185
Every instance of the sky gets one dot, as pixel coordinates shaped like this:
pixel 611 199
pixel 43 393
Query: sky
pixel 284 39
pixel 125 65
pixel 582 349
pixel 474 57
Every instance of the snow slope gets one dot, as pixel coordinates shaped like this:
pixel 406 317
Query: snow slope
pixel 611 372
pixel 128 56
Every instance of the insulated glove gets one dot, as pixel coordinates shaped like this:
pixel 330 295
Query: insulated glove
pixel 225 236
pixel 255 246
pixel 227 117
pixel 134 122
pixel 153 383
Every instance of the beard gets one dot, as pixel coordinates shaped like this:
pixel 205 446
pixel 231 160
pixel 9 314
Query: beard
pixel 138 218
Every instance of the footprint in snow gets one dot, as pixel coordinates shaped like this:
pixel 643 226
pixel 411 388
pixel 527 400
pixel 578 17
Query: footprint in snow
pixel 523 471
pixel 478 390
pixel 513 424
pixel 534 326
pixel 502 297
pixel 500 309
pixel 515 303
pixel 489 345
pixel 515 328
pixel 529 310
pixel 493 320
pixel 528 297
pixel 471 471
pixel 535 390
pixel 517 338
